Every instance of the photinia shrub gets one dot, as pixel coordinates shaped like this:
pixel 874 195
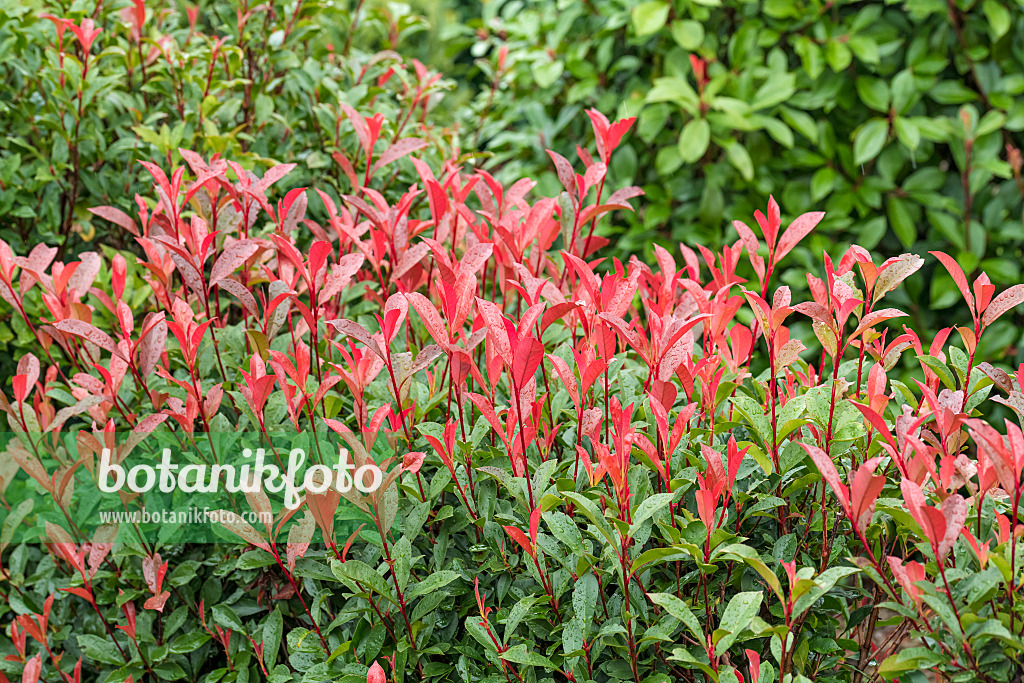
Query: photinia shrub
pixel 590 470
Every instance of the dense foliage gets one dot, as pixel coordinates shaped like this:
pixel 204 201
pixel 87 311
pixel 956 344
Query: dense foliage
pixel 762 459
pixel 636 476
pixel 83 102
pixel 902 121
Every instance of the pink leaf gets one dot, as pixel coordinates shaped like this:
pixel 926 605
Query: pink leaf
pixel 84 330
pixel 117 217
pixel 152 343
pixel 231 258
pixel 33 667
pixel 1012 297
pixel 240 292
pixel 495 323
pixel 357 331
pixel 397 151
pixel 565 172
pixel 141 430
pixel 796 231
pixel 430 316
pixel 238 526
pixel 376 674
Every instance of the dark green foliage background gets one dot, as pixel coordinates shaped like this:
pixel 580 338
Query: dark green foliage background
pixel 860 109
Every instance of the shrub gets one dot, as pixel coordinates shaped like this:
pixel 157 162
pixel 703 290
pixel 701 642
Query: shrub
pixel 631 474
pixel 901 121
pixel 87 95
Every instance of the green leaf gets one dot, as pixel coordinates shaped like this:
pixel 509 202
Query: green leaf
pixel 678 609
pixel 801 122
pixel 865 48
pixel 648 507
pixel 869 140
pixel 657 555
pixel 823 584
pixel 362 574
pixel 649 17
pixel 226 617
pixel 273 627
pixel 546 73
pixel 516 614
pixel 748 555
pixel 565 530
pixel 904 660
pixel 434 582
pixel 998 17
pixel 521 655
pixel 874 92
pixel 740 158
pixel 689 34
pixel 777 89
pixel 694 140
pixel 737 616
pixel 900 220
pixel 590 511
pixel 907 132
pixel 101 649
pixel 585 597
pixel 185 643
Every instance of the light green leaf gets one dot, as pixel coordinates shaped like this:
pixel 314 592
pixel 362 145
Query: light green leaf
pixel 741 609
pixel 649 17
pixel 869 140
pixel 998 17
pixel 678 609
pixel 740 158
pixel 694 140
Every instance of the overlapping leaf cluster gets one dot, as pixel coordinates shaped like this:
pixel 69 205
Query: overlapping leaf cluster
pixel 901 120
pixel 87 93
pixel 594 470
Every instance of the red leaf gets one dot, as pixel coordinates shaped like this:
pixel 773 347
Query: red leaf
pixel 395 310
pixel 84 330
pixel 534 525
pixel 864 492
pixel 958 276
pixel 117 217
pixel 157 602
pixel 412 461
pixel 231 258
pixel 519 537
pixel 1012 297
pixel 829 474
pixel 376 674
pixel 397 151
pixel 528 356
pixel 796 231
